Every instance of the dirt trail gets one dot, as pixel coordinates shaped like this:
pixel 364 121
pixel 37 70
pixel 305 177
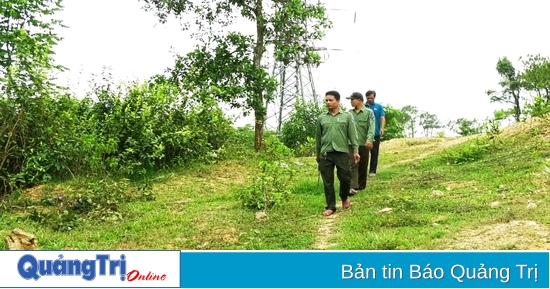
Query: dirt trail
pixel 326 231
pixel 428 146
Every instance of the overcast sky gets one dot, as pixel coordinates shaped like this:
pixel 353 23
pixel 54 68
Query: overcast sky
pixel 438 55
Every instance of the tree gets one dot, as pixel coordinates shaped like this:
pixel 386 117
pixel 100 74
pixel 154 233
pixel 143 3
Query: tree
pixel 511 87
pixel 30 123
pixel 410 115
pixel 287 26
pixel 465 127
pixel 428 122
pixel 536 76
pixel 26 46
pixel 394 124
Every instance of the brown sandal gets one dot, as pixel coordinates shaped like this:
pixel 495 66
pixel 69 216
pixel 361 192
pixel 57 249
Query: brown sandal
pixel 328 213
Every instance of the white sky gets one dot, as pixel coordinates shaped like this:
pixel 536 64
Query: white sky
pixel 438 55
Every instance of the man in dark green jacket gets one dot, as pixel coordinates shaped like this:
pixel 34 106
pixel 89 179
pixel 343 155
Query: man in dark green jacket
pixel 364 122
pixel 335 133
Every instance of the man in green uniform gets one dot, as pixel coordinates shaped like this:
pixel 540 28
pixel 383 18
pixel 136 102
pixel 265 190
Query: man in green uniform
pixel 364 122
pixel 335 133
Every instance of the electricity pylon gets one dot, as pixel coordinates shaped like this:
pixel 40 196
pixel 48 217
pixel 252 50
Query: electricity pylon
pixel 295 81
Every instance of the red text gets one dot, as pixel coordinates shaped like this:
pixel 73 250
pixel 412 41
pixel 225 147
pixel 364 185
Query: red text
pixel 135 275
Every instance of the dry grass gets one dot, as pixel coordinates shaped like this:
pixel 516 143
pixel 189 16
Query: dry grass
pixel 524 127
pixel 35 194
pixel 520 235
pixel 410 150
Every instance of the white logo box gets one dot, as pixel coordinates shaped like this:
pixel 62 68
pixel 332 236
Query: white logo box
pixel 91 269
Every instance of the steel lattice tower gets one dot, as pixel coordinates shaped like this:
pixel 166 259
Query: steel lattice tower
pixel 295 81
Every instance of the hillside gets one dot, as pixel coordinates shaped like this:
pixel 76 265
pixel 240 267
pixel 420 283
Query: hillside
pixel 455 193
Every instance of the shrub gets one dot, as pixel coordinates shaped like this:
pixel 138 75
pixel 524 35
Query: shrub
pixel 97 201
pixel 269 187
pixel 301 124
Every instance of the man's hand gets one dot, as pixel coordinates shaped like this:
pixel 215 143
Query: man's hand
pixel 381 131
pixel 356 157
pixel 368 144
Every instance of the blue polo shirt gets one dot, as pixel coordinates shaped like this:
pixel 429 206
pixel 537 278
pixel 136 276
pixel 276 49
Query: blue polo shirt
pixel 378 110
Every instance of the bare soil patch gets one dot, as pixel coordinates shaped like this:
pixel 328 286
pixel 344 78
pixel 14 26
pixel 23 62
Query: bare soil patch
pixel 519 235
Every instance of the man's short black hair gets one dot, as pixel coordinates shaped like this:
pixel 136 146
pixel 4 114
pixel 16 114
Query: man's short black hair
pixel 370 92
pixel 356 95
pixel 334 93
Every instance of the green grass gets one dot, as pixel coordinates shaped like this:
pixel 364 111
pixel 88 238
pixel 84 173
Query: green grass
pixel 197 208
pixel 510 173
pixel 194 209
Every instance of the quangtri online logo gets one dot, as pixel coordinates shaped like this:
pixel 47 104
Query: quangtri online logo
pixel 29 267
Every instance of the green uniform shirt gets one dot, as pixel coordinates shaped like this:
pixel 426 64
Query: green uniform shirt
pixel 364 121
pixel 335 133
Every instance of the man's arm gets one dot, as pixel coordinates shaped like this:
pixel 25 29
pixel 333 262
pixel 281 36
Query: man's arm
pixel 382 120
pixel 318 135
pixel 352 133
pixel 372 127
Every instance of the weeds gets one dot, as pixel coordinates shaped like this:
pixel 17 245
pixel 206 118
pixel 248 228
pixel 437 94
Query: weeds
pixel 96 201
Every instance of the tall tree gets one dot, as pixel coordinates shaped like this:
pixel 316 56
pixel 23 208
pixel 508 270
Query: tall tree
pixel 511 85
pixel 288 26
pixel 465 127
pixel 394 123
pixel 410 116
pixel 428 122
pixel 28 128
pixel 536 75
pixel 27 39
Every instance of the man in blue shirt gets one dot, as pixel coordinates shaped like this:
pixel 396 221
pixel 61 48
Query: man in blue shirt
pixel 380 124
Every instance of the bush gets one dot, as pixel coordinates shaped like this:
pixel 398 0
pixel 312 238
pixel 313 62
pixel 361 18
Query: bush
pixel 274 149
pixel 479 147
pixel 301 124
pixel 240 144
pixel 470 152
pixel 114 131
pixel 97 201
pixel 306 149
pixel 269 187
pixel 539 107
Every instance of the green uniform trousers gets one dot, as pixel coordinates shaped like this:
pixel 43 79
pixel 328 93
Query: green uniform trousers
pixel 359 170
pixel 327 163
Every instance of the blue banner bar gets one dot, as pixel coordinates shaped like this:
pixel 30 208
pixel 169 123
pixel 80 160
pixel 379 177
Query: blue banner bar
pixel 364 269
